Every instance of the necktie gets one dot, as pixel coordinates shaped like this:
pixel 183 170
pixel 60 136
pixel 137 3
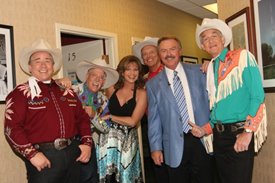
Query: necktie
pixel 181 102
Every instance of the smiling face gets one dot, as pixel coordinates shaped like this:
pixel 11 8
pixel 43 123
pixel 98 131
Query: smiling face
pixel 169 52
pixel 131 72
pixel 41 65
pixel 95 79
pixel 150 56
pixel 212 41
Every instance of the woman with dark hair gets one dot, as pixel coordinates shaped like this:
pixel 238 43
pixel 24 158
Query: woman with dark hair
pixel 119 149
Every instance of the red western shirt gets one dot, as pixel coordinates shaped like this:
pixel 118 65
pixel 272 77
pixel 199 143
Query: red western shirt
pixel 153 74
pixel 56 113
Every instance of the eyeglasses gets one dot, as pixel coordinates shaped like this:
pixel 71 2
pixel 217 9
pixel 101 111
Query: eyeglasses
pixel 207 39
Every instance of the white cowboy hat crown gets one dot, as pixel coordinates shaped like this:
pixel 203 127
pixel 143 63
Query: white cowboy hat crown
pixel 214 23
pixel 84 66
pixel 139 46
pixel 36 46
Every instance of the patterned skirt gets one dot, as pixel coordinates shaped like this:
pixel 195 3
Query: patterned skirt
pixel 118 155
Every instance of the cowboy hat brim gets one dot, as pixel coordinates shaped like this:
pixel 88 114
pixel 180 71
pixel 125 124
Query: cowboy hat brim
pixel 139 46
pixel 214 24
pixel 38 46
pixel 84 66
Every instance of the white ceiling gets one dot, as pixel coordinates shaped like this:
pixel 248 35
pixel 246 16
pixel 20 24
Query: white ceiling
pixel 193 7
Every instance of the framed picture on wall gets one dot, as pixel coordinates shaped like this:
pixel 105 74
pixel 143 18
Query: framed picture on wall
pixel 265 40
pixel 205 59
pixel 189 59
pixel 240 26
pixel 136 40
pixel 7 68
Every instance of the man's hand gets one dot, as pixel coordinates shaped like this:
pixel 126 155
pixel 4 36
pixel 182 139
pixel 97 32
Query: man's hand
pixel 204 66
pixel 64 83
pixel 157 157
pixel 40 161
pixel 242 141
pixel 85 153
pixel 89 110
pixel 197 131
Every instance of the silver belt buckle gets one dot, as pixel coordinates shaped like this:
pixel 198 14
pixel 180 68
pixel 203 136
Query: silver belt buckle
pixel 219 127
pixel 234 128
pixel 61 143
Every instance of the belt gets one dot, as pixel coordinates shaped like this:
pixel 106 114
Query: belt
pixel 232 127
pixel 58 144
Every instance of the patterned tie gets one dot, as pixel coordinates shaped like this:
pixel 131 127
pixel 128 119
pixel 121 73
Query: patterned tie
pixel 180 99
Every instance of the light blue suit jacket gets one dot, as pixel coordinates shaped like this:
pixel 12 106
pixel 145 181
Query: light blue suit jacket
pixel 164 125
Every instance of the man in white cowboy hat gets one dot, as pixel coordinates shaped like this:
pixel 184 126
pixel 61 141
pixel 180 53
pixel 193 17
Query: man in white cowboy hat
pixel 95 75
pixel 237 102
pixel 42 120
pixel 147 52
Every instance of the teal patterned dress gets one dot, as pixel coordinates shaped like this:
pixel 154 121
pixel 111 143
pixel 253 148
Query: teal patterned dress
pixel 119 149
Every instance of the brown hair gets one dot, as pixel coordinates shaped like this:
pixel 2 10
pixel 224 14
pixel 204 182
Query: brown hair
pixel 122 66
pixel 168 38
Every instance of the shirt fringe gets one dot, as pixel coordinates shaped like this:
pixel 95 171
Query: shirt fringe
pixel 261 133
pixel 233 81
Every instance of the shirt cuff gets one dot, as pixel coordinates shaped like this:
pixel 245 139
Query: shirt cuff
pixel 207 128
pixel 252 123
pixel 87 140
pixel 28 151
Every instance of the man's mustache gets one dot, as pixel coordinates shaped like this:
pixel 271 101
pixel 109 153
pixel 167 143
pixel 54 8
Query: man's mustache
pixel 170 57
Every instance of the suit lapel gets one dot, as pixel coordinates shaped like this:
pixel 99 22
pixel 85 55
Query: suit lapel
pixel 165 85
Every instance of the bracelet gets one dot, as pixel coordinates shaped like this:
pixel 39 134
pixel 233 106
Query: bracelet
pixel 110 117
